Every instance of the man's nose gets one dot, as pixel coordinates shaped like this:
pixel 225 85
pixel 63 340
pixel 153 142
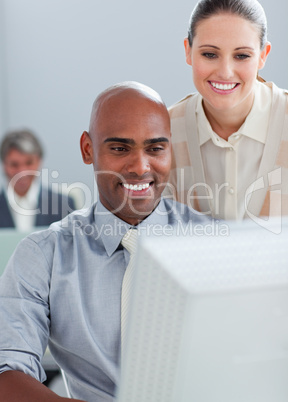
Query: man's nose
pixel 139 163
pixel 22 168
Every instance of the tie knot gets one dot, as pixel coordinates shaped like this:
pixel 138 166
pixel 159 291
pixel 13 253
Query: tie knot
pixel 129 240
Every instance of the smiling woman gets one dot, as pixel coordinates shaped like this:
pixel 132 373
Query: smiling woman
pixel 231 138
pixel 226 65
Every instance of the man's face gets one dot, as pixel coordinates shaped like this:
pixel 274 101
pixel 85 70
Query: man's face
pixel 131 154
pixel 17 163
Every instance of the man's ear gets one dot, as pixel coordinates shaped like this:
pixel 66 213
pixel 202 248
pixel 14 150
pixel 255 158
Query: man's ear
pixel 263 55
pixel 86 148
pixel 187 51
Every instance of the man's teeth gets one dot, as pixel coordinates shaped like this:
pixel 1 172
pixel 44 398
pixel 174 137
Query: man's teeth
pixel 136 187
pixel 223 87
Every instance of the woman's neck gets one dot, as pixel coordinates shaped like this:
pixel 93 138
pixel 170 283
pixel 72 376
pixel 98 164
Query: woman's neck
pixel 225 123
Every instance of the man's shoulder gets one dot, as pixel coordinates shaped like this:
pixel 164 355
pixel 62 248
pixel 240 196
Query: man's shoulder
pixel 80 217
pixel 68 226
pixel 6 220
pixel 2 196
pixel 61 196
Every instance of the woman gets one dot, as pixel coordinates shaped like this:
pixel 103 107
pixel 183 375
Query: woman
pixel 230 140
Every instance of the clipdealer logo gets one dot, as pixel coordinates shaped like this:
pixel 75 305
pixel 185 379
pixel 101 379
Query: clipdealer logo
pixel 273 221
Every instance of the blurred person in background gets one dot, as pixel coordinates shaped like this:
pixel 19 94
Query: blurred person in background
pixel 25 202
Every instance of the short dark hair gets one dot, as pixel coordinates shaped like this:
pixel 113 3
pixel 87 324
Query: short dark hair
pixel 251 10
pixel 24 141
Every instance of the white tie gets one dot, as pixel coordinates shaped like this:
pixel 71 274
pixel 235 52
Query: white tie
pixel 129 241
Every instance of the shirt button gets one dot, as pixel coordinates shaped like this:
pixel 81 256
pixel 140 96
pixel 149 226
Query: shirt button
pixel 231 190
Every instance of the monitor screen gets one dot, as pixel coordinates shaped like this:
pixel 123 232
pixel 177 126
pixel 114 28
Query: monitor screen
pixel 209 319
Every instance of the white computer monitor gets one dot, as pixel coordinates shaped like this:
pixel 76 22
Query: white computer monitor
pixel 209 319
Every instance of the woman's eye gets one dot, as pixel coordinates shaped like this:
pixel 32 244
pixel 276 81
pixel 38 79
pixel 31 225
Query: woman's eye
pixel 242 56
pixel 209 55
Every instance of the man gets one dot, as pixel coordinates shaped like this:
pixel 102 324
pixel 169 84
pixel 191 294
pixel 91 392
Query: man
pixel 24 202
pixel 64 283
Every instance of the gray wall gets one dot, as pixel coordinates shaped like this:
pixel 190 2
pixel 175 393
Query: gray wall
pixel 57 55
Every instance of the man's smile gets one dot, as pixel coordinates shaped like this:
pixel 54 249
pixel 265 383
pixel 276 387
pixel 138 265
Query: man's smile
pixel 138 189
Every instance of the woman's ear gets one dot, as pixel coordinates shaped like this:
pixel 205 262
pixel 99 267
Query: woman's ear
pixel 187 51
pixel 86 148
pixel 263 55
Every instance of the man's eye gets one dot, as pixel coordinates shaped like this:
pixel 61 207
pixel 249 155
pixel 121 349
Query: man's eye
pixel 119 149
pixel 155 149
pixel 13 165
pixel 209 55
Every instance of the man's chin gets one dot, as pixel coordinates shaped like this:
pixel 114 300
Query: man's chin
pixel 21 190
pixel 136 212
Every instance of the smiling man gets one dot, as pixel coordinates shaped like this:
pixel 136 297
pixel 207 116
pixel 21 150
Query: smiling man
pixel 129 145
pixel 63 285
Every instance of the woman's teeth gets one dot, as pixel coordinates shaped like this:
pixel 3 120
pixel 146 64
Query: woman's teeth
pixel 136 187
pixel 223 87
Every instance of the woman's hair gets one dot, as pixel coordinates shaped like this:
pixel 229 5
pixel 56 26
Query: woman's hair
pixel 251 10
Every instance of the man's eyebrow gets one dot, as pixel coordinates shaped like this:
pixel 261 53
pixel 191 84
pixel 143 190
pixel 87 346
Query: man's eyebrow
pixel 120 139
pixel 129 141
pixel 156 140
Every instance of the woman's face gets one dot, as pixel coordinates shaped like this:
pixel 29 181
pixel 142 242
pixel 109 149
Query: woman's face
pixel 225 57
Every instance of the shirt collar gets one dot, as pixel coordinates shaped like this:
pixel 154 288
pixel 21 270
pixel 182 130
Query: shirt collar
pixel 111 229
pixel 255 125
pixel 205 131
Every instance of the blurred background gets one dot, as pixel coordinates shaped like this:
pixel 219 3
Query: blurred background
pixel 57 55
